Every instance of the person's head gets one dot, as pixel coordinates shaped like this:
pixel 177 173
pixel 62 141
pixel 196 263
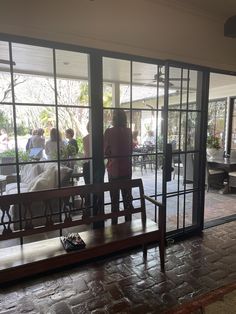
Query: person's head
pixel 35 132
pixel 3 131
pixel 119 118
pixel 40 132
pixel 55 135
pixel 69 133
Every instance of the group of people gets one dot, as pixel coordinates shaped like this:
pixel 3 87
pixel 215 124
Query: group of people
pixel 149 139
pixel 119 143
pixel 37 140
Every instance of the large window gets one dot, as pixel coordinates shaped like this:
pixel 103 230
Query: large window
pixel 44 117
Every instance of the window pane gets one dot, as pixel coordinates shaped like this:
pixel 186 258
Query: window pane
pixel 33 74
pixel 72 78
pixel 216 120
pixel 116 83
pixel 5 77
pixel 34 124
pixel 7 140
pixel 144 88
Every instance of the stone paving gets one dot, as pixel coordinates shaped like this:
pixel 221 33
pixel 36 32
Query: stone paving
pixel 124 283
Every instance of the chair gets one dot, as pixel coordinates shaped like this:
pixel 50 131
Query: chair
pixel 232 180
pixel 7 169
pixel 214 177
pixel 233 154
pixel 219 153
pixel 184 166
pixel 177 164
pixel 188 167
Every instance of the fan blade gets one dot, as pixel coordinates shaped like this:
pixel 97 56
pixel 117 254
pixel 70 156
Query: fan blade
pixel 178 79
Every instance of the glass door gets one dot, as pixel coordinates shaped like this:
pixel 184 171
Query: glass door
pixel 132 86
pixel 164 109
pixel 184 151
pixel 232 128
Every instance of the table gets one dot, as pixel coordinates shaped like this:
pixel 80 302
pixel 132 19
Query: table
pixel 75 176
pixel 3 181
pixel 226 164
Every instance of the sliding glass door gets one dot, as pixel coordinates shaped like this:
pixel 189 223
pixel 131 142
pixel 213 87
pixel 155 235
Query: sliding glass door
pixel 164 106
pixel 184 147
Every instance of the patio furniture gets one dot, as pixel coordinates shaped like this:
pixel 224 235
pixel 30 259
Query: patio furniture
pixel 228 165
pixel 233 154
pixel 3 182
pixel 142 156
pixel 6 169
pixel 214 177
pixel 232 180
pixel 183 166
pixel 177 163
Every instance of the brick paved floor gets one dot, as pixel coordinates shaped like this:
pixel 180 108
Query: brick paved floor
pixel 125 284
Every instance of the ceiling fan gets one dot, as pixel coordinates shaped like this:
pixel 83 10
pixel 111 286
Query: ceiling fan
pixel 160 77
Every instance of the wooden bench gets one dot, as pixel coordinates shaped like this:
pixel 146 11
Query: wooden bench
pixel 27 259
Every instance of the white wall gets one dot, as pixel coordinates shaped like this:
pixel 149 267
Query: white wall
pixel 138 27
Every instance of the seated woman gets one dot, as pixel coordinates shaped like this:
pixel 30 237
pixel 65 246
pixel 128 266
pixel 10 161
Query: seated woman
pixel 51 145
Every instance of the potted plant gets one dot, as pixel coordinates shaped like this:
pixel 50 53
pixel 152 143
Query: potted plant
pixel 213 145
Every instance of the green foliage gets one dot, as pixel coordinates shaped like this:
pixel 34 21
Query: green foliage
pixel 67 151
pixel 84 94
pixel 22 130
pixel 22 155
pixel 4 123
pixel 8 153
pixel 213 142
pixel 80 145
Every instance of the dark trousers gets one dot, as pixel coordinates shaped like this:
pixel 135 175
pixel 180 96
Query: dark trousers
pixel 86 172
pixel 115 197
pixel 87 200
